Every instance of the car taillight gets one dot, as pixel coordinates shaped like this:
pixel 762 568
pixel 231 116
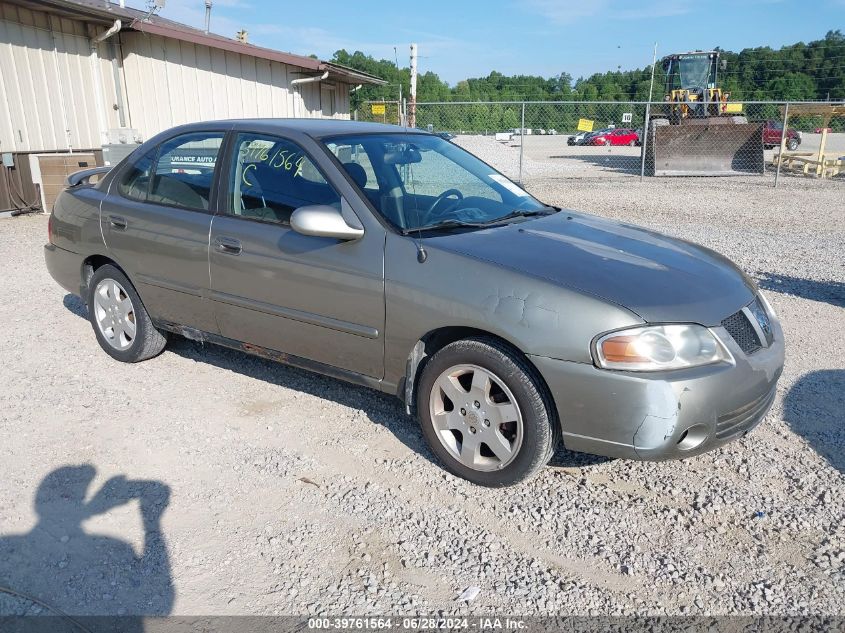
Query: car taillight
pixel 50 228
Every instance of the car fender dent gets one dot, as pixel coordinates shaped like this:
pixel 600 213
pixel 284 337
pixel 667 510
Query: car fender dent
pixel 529 309
pixel 662 406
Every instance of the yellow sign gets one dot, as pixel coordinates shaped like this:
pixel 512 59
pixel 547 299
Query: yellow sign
pixel 378 108
pixel 585 125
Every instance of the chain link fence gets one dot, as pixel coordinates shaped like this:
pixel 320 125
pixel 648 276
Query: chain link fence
pixel 380 112
pixel 542 140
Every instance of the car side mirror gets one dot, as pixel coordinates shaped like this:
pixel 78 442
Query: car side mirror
pixel 321 220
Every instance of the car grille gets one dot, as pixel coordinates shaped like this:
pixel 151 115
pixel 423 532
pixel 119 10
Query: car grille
pixel 741 419
pixel 740 328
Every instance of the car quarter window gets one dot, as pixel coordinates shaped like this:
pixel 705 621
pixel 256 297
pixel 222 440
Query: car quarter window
pixel 271 177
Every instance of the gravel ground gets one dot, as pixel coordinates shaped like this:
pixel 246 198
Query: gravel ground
pixel 253 488
pixel 551 157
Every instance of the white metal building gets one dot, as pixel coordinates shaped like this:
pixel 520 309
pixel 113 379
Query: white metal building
pixel 78 74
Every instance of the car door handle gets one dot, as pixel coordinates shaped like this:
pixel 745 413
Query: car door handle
pixel 117 222
pixel 228 245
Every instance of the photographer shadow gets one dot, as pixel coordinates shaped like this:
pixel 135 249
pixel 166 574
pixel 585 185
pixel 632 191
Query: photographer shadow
pixel 59 569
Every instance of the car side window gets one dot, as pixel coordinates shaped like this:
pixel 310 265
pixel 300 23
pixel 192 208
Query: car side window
pixel 271 177
pixel 135 182
pixel 184 171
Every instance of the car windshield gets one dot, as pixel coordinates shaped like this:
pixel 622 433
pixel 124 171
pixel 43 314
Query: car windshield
pixel 422 182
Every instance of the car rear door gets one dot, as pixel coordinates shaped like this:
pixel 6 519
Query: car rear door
pixel 316 298
pixel 156 221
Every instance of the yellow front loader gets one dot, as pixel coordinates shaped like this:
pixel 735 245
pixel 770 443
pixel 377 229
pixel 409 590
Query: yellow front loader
pixel 697 131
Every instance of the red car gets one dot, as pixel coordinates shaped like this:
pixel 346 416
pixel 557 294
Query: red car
pixel 619 136
pixel 773 133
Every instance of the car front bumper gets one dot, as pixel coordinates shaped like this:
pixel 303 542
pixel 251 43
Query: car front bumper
pixel 663 415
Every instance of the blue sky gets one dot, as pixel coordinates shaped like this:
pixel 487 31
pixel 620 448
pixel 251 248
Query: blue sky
pixel 459 39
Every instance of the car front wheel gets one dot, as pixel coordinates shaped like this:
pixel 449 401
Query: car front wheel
pixel 485 413
pixel 123 328
pixel 792 144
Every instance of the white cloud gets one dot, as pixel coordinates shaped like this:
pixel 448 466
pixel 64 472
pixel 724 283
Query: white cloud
pixel 562 12
pixel 317 40
pixel 230 16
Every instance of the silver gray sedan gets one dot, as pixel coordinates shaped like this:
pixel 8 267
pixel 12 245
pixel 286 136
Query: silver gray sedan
pixel 394 259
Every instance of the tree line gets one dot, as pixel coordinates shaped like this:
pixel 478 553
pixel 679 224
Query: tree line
pixel 802 71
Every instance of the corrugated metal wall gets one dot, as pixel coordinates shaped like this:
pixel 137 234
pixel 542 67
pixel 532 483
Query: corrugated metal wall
pixel 170 83
pixel 46 82
pixel 51 99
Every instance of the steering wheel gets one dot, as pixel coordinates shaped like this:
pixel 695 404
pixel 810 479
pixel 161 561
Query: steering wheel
pixel 430 213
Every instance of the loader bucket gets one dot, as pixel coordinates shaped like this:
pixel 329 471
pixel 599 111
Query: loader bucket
pixel 713 148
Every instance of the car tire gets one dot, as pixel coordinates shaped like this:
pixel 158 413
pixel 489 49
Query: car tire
pixel 513 385
pixel 792 144
pixel 632 144
pixel 606 143
pixel 121 323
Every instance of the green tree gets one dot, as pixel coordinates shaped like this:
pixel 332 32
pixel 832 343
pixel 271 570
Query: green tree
pixel 812 71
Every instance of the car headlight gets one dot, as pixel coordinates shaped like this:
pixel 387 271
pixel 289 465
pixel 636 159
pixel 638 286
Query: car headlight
pixel 659 347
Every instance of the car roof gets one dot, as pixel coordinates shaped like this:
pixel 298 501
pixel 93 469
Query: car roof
pixel 316 128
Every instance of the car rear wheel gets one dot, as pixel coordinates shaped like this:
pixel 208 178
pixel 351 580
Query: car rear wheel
pixel 792 144
pixel 123 328
pixel 632 143
pixel 485 413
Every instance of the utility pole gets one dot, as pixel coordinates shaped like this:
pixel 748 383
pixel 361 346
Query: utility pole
pixel 412 115
pixel 647 122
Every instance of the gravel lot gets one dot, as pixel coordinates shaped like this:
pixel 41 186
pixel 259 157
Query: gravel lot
pixel 551 157
pixel 253 488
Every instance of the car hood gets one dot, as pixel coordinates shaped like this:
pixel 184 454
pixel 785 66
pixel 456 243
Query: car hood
pixel 661 279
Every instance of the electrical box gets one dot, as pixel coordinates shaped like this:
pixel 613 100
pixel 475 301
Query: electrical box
pixel 113 154
pixel 8 159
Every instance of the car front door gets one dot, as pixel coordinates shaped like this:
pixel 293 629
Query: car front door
pixel 155 223
pixel 315 298
pixel 772 133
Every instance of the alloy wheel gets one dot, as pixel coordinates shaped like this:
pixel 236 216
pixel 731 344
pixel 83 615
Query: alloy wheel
pixel 476 417
pixel 115 314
